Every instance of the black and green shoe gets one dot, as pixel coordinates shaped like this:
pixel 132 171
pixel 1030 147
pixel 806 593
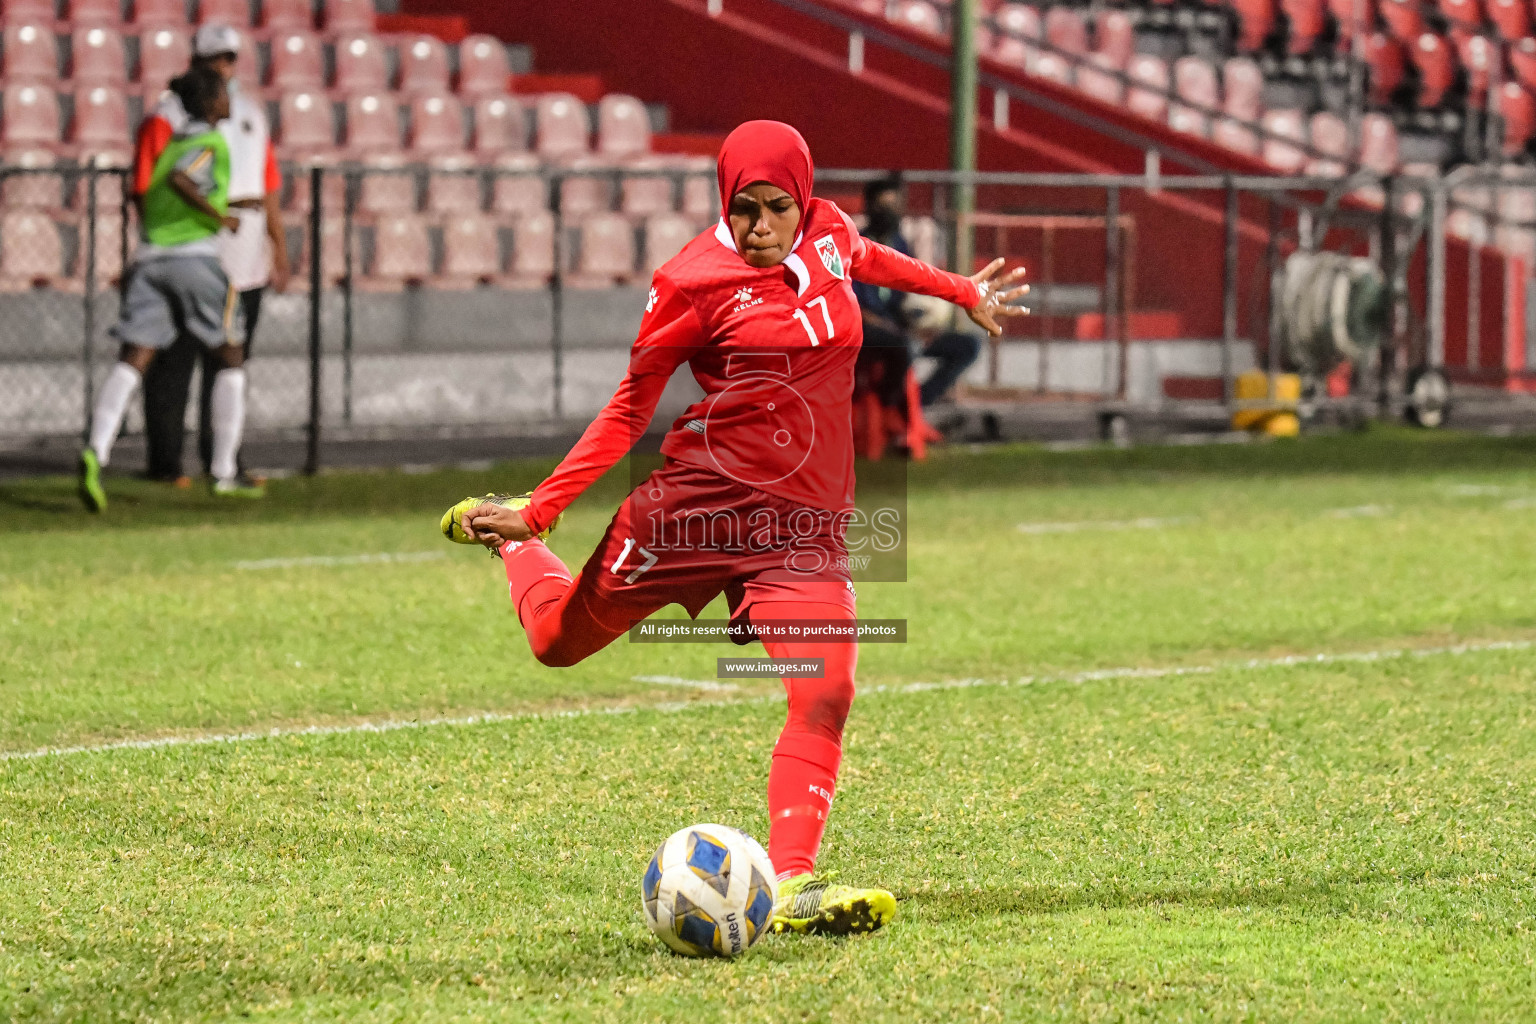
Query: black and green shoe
pixel 814 906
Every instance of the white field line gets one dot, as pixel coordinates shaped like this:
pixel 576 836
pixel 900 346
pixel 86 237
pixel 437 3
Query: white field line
pixel 673 707
pixel 1358 511
pixel 383 556
pixel 693 684
pixel 1144 523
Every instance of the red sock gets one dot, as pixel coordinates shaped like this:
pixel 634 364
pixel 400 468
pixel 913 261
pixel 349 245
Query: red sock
pixel 554 610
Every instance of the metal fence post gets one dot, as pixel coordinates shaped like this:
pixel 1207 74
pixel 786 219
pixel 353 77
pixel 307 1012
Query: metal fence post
pixel 1229 294
pixel 1434 358
pixel 88 350
pixel 557 303
pixel 312 460
pixel 1112 323
pixel 1395 318
pixel 350 181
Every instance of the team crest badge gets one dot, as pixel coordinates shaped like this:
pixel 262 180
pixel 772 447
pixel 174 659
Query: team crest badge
pixel 826 248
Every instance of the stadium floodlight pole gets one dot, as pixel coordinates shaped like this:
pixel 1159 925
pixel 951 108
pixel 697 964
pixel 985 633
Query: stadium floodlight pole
pixel 962 128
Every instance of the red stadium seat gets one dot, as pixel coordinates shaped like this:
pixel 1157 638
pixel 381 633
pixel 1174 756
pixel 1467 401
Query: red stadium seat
pixel 1522 61
pixel 163 54
pixel 1284 131
pixel 360 64
pixel 287 15
pixel 1256 19
pixel 387 186
pixel 101 121
pixel 1511 17
pixel 1236 136
pixel 1194 82
pixel 1101 78
pixel 1243 83
pixel 517 188
pixel 30 53
pixel 483 66
pixel 305 126
pixel 423 64
pixel 1476 56
pixel 499 125
pixel 1054 67
pixel 30 116
pixel 644 195
pixel 1017 30
pixel 1403 18
pixel 1518 110
pixel 916 14
pixel 1330 137
pixel 701 200
pixel 97 55
pixel 1467 14
pixel 533 250
pixel 665 236
pixel 437 124
pixel 349 15
pixel 109 198
pixel 1378 143
pixel 1066 30
pixel 1437 68
pixel 297 61
pixel 1189 120
pixel 1115 35
pixel 41 190
pixel 1385 59
pixel 1148 96
pixel 224 12
pixel 1345 16
pixel 94 12
pixel 623 126
pixel 561 125
pixel 373 123
pixel 471 253
pixel 160 12
pixel 605 251
pixel 453 187
pixel 586 193
pixel 31 253
pixel 1307 18
pixel 402 253
pixel 38 12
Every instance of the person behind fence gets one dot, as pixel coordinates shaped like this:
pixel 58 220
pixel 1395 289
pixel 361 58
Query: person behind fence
pixel 888 346
pixel 177 286
pixel 255 255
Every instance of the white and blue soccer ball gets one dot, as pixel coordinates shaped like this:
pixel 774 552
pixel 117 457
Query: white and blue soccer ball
pixel 709 891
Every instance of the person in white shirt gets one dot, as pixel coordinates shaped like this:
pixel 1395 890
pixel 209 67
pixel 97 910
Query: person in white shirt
pixel 255 256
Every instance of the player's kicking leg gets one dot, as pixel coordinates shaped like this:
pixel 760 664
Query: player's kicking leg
pixel 107 419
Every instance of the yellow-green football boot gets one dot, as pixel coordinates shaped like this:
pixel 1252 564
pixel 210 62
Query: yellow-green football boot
pixel 452 523
pixel 812 905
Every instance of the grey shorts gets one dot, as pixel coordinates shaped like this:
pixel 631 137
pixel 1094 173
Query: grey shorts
pixel 169 296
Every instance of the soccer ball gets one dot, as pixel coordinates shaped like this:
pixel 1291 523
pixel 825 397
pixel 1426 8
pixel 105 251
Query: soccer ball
pixel 709 891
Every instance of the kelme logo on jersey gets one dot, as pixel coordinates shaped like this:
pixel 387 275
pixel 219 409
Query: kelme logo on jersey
pixel 826 248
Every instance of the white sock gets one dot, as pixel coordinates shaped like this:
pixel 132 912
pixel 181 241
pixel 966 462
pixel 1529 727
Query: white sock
pixel 228 420
pixel 111 407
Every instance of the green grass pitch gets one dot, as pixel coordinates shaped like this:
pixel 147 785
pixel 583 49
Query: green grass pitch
pixel 1126 804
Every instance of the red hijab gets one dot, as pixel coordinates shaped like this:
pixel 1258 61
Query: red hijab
pixel 770 151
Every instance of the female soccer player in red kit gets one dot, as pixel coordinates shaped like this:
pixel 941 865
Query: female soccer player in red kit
pixel 755 494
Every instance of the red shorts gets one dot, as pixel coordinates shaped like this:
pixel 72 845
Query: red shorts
pixel 686 535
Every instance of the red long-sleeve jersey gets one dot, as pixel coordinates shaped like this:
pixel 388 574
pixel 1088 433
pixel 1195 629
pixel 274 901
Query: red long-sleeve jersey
pixel 774 352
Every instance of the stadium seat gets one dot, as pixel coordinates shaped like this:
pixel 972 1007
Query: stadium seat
pixel 360 64
pixel 97 55
pixel 1522 62
pixel 402 253
pixel 471 253
pixel 30 53
pixel 665 236
pixel 1194 83
pixel 373 123
pixel 297 61
pixel 517 188
pixel 95 12
pixel 31 252
pixel 386 185
pixel 1511 17
pixel 1378 143
pixel 1054 67
pixel 30 116
pixel 1476 56
pixel 1330 138
pixel 423 64
pixel 1066 30
pixel 1101 78
pixel 1307 20
pixel 645 195
pixel 305 125
pixel 581 194
pixel 109 249
pixel 160 12
pixel 1017 28
pixel 605 251
pixel 163 54
pixel 499 125
pixel 701 199
pixel 1384 56
pixel 623 126
pixel 109 197
pixel 333 194
pixel 1115 34
pixel 1148 95
pixel 40 190
pixel 1403 19
pixel 453 187
pixel 1344 18
pixel 1243 85
pixel 561 127
pixel 1256 19
pixel 1464 14
pixel 533 250
pixel 1518 111
pixel 1284 134
pixel 333 255
pixel 437 124
pixel 349 15
pixel 1437 68
pixel 483 66
pixel 1235 135
pixel 40 12
pixel 100 125
pixel 287 15
pixel 224 12
pixel 919 15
